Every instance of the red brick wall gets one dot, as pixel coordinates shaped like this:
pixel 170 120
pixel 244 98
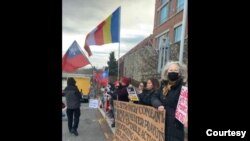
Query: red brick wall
pixel 173 19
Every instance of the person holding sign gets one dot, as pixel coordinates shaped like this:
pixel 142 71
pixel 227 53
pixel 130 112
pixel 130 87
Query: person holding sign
pixel 148 92
pixel 122 90
pixel 166 98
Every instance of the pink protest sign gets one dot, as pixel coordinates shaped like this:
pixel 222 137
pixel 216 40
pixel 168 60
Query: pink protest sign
pixel 182 106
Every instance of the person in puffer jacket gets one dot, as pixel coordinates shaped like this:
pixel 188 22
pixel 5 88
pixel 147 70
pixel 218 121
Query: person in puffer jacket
pixel 73 97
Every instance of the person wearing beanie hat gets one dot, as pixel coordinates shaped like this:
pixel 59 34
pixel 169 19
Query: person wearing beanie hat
pixel 125 81
pixel 122 90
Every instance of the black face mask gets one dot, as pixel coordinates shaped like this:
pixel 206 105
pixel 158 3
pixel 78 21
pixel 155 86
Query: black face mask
pixel 173 76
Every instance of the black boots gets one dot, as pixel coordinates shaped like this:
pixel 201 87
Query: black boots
pixel 73 131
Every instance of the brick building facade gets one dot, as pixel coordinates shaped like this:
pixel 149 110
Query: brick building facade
pixel 148 57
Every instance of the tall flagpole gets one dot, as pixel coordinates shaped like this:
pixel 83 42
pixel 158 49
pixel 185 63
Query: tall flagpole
pixel 119 44
pixel 118 61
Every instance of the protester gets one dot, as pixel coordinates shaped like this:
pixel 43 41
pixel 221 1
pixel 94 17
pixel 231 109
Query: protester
pixel 113 97
pixel 148 92
pixel 140 88
pixel 167 98
pixel 120 94
pixel 122 90
pixel 73 97
pixel 115 90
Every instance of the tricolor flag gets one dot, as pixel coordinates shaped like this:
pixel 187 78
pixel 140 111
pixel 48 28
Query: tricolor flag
pixel 106 32
pixel 74 58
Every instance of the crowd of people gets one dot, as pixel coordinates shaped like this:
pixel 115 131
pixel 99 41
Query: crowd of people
pixel 162 95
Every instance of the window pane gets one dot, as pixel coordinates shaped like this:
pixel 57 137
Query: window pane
pixel 177 32
pixel 180 5
pixel 161 38
pixel 162 48
pixel 164 14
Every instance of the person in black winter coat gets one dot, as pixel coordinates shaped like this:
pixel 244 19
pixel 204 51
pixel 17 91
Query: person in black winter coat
pixel 148 92
pixel 166 98
pixel 73 97
pixel 122 92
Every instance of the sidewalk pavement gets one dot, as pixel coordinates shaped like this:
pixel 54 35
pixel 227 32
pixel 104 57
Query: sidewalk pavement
pixel 92 127
pixel 109 121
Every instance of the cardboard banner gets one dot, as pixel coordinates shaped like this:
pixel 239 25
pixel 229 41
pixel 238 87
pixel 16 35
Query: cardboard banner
pixel 135 122
pixel 182 106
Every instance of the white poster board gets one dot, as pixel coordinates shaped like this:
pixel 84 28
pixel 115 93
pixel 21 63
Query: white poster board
pixel 132 94
pixel 93 103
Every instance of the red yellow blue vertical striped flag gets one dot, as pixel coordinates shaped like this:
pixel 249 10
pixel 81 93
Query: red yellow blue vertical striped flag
pixel 108 31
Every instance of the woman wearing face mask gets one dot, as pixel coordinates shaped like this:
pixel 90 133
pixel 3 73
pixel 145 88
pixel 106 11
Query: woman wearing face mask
pixel 166 98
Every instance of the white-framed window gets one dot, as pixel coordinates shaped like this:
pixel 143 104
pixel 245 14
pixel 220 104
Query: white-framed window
pixel 177 33
pixel 180 5
pixel 164 11
pixel 163 50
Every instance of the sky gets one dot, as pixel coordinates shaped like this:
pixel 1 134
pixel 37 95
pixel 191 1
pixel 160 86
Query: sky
pixel 82 16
